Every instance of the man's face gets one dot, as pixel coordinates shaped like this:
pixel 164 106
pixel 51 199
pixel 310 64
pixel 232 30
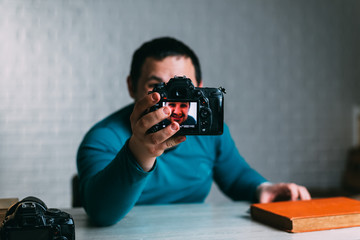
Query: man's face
pixel 179 111
pixel 157 71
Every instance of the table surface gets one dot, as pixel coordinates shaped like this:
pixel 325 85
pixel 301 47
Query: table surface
pixel 194 221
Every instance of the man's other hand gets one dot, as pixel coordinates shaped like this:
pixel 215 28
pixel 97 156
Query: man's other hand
pixel 268 192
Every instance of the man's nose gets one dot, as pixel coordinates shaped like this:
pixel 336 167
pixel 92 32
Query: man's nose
pixel 177 110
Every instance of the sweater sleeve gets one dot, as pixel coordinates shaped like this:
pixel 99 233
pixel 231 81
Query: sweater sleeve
pixel 111 181
pixel 232 173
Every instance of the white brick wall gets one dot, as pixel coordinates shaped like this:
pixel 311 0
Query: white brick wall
pixel 291 69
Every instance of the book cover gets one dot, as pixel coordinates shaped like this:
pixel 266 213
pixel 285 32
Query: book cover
pixel 309 215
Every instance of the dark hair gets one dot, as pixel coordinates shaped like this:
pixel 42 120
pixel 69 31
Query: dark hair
pixel 159 49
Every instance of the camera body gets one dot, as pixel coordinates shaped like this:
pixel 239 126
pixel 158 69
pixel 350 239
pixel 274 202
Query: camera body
pixel 199 111
pixel 30 219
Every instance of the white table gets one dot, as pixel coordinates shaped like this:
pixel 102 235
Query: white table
pixel 194 221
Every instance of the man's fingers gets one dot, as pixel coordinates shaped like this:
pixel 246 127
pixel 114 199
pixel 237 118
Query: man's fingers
pixel 143 104
pixel 173 141
pixel 304 193
pixel 152 118
pixel 161 136
pixel 294 193
pixel 282 191
pixel 164 138
pixel 298 192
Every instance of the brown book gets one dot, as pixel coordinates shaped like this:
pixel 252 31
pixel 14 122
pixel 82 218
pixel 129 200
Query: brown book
pixel 309 215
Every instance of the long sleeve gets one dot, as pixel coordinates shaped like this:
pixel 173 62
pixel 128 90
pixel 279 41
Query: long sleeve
pixel 232 173
pixel 111 181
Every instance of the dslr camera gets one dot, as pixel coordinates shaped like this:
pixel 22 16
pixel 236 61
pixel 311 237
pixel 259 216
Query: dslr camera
pixel 199 111
pixel 30 219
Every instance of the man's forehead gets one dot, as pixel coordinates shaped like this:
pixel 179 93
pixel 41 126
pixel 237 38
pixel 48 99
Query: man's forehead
pixel 162 70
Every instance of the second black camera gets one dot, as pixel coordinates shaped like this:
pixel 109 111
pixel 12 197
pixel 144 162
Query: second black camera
pixel 30 219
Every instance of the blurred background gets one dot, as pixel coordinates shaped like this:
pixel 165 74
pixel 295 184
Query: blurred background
pixel 291 69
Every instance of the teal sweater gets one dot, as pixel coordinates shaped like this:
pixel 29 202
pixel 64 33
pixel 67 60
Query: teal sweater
pixel 111 181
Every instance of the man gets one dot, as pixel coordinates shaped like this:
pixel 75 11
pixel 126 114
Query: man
pixel 180 113
pixel 120 164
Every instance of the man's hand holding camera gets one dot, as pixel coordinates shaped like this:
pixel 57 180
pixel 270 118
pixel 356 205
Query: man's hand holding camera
pixel 147 146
